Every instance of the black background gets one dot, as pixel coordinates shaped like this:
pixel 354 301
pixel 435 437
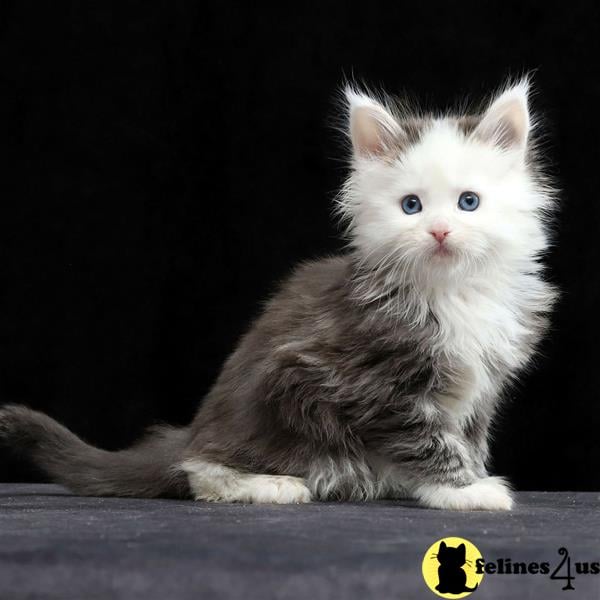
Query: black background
pixel 167 162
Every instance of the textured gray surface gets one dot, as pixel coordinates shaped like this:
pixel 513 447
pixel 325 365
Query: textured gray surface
pixel 54 545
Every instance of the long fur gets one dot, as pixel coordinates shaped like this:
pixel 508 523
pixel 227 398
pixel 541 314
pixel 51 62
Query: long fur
pixel 376 373
pixel 149 469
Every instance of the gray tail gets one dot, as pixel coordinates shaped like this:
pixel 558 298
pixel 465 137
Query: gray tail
pixel 149 469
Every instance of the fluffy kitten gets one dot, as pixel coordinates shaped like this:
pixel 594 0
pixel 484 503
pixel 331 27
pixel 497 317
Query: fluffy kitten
pixel 375 373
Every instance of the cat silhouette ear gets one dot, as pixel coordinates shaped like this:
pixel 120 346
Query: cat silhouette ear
pixel 372 127
pixel 442 545
pixel 462 549
pixel 506 123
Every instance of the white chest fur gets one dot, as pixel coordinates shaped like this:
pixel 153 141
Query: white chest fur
pixel 481 330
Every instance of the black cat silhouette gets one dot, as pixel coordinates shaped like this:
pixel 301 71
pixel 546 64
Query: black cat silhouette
pixel 452 577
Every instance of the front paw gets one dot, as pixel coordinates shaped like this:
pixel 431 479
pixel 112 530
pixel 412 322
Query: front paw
pixel 490 493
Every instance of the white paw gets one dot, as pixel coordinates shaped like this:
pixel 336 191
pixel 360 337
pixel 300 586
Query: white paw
pixel 214 482
pixel 273 489
pixel 491 493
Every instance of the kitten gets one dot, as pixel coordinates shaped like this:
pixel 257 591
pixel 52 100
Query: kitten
pixel 375 373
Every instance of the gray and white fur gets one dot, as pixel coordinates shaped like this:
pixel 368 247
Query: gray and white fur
pixel 376 373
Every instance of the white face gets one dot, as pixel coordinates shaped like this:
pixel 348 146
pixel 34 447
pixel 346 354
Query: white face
pixel 450 204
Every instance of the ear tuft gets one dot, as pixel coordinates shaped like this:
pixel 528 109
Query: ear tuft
pixel 506 123
pixel 372 127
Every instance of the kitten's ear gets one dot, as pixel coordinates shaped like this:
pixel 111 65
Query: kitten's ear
pixel 372 127
pixel 506 123
pixel 442 545
pixel 462 550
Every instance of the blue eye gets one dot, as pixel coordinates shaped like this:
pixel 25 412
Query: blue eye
pixel 411 204
pixel 468 201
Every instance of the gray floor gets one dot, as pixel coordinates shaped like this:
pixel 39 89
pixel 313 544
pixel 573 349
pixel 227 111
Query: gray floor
pixel 54 545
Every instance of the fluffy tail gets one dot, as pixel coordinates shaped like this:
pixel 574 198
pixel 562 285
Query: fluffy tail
pixel 147 470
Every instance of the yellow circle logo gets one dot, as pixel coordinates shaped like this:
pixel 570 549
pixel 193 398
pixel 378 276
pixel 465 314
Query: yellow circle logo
pixel 449 568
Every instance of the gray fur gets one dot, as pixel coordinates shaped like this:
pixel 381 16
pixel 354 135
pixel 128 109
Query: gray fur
pixel 320 377
pixel 148 469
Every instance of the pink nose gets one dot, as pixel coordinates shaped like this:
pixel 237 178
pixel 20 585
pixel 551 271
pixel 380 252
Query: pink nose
pixel 439 234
